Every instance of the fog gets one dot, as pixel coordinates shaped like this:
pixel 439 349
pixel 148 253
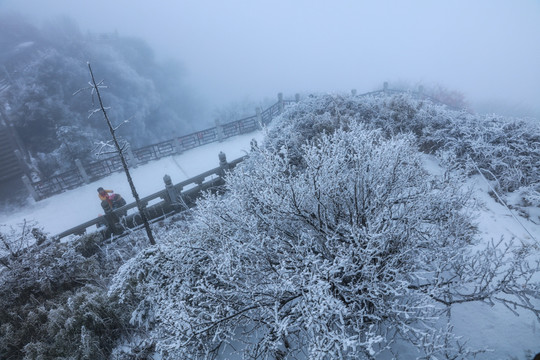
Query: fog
pixel 239 49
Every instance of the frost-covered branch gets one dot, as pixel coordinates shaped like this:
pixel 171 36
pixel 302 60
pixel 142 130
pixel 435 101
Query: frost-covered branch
pixel 95 86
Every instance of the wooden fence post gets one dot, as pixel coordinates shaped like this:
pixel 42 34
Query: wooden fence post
pixel 219 130
pixel 83 173
pixel 420 91
pixel 280 102
pixel 30 188
pixel 297 97
pixel 385 86
pixel 353 92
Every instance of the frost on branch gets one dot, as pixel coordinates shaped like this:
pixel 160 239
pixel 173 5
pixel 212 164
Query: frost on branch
pixel 337 255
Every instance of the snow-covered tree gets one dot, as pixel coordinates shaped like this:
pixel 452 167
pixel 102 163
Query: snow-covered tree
pixel 43 67
pixel 333 253
pixel 332 241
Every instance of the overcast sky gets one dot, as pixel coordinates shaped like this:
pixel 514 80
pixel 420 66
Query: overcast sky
pixel 238 49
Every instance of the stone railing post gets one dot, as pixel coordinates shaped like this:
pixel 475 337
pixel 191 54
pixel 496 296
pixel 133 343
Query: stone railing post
pixel 132 159
pixel 171 191
pixel 219 130
pixel 280 102
pixel 259 117
pixel 297 97
pixel 223 164
pixel 178 146
pixel 385 86
pixel 82 171
pixel 30 188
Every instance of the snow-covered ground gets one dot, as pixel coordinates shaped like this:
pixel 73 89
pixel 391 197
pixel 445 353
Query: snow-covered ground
pixel 482 326
pixel 495 327
pixel 509 336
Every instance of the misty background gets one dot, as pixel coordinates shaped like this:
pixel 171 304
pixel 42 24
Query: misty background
pixel 230 50
pixel 173 67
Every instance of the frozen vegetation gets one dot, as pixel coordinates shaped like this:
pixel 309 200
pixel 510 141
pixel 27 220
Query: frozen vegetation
pixel 360 228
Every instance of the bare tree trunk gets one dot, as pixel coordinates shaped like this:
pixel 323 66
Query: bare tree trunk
pixel 124 163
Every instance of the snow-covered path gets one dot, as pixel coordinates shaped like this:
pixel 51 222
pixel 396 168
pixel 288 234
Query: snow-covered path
pixel 74 207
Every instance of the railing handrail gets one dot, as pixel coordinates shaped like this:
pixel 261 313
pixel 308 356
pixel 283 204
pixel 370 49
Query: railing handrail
pixel 74 178
pixel 240 120
pixel 199 179
pixel 196 180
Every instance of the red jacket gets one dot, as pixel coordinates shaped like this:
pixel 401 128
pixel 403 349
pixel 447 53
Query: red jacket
pixel 106 196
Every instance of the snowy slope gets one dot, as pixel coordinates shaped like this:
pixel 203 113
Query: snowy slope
pixel 506 335
pixel 495 327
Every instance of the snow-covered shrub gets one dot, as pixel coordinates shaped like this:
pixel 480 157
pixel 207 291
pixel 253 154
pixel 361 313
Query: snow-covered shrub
pixel 30 286
pixel 15 239
pixel 504 149
pixel 529 196
pixel 53 296
pixel 83 324
pixel 138 349
pixel 335 258
pixel 392 114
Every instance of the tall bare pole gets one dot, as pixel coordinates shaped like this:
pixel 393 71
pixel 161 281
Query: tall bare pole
pixel 124 163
